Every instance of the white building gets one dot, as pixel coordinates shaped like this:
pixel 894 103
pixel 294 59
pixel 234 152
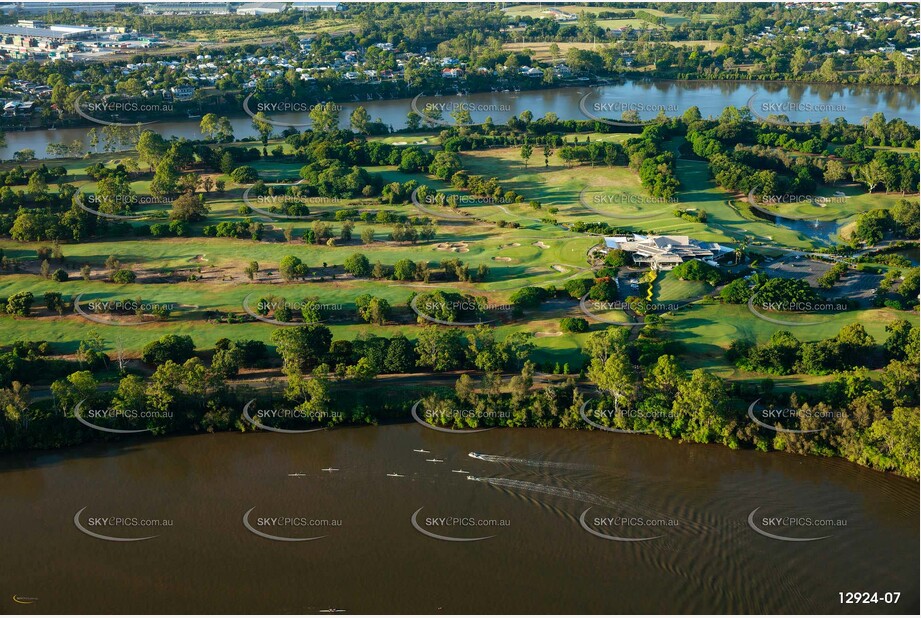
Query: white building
pixel 261 8
pixel 665 252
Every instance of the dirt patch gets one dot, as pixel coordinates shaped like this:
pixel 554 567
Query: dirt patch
pixel 199 258
pixel 541 245
pixel 456 247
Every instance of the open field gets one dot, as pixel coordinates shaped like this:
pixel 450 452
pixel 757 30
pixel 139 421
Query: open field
pixel 539 11
pixel 541 51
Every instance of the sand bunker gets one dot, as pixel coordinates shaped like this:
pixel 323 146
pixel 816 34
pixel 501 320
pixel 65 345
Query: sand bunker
pixel 456 247
pixel 199 258
pixel 544 334
pixel 541 245
pixel 558 268
pixel 500 258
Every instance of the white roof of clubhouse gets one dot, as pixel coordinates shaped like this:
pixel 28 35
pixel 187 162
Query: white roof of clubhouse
pixel 665 252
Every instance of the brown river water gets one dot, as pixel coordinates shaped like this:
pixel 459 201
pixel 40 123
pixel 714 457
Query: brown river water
pixel 527 494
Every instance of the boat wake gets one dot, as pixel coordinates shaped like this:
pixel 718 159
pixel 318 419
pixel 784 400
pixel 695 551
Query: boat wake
pixel 533 463
pixel 550 490
pixel 589 498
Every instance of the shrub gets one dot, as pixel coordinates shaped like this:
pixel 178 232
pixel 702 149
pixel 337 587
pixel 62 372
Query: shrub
pixel 20 303
pixel 695 270
pixel 177 348
pixel 529 297
pixel 577 288
pixel 244 175
pixel 124 275
pixel 574 325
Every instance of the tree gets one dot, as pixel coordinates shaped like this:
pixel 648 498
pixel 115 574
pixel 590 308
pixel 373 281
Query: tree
pixel 441 349
pixel 26 154
pixel 188 208
pixel 37 185
pixel 799 61
pixel 151 147
pixel 345 232
pixel 367 235
pixel 526 152
pixel 77 387
pixel 528 297
pixel 400 357
pixel 176 348
pixel 574 325
pixel 19 303
pixel 359 120
pixel 291 267
pixel 302 347
pixel 325 117
pixel 251 269
pixel 90 351
pixel 577 288
pixel 244 175
pixel 666 376
pixel 871 174
pixel 208 126
pixel 413 121
pixel 114 194
pixel 372 309
pixel 548 152
pixel 357 265
pixel 166 178
pixel 834 172
pixel 443 166
pixel 313 392
pixel 827 70
pixel 216 128
pixel 227 362
pixel 264 128
pixel 404 270
pixel 894 442
pixel 700 407
pixel 462 117
pixel 737 292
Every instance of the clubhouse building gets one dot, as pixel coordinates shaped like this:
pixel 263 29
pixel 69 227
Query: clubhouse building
pixel 665 252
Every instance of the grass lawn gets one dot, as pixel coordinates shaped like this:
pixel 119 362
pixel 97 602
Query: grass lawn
pixel 669 288
pixel 855 201
pixel 707 329
pixel 538 11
